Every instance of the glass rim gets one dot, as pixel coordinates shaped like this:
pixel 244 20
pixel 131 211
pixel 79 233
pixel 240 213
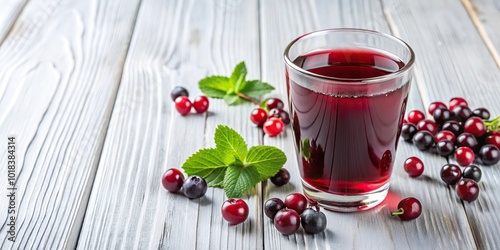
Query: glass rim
pixel 391 75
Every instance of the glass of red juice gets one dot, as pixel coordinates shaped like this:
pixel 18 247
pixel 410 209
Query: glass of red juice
pixel 347 91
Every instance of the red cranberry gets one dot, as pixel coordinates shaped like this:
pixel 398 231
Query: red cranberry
pixel 287 221
pixel 464 156
pixel 493 138
pixel 462 113
pixel 297 202
pixel 415 116
pixel 467 189
pixel 457 101
pixel 172 180
pixel 427 125
pixel 435 105
pixel 408 209
pixel 475 126
pixel 466 140
pixel 445 148
pixel 445 135
pixel 183 105
pixel 200 104
pixel 450 174
pixel 274 103
pixel 234 211
pixel 258 116
pixel 414 166
pixel 273 126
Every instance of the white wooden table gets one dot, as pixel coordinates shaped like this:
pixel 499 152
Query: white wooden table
pixel 84 88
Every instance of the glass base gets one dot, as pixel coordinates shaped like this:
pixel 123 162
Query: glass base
pixel 346 203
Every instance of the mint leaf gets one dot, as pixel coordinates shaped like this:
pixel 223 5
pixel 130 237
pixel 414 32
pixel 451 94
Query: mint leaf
pixel 237 78
pixel 256 88
pixel 215 86
pixel 231 144
pixel 232 99
pixel 267 160
pixel 204 163
pixel 306 148
pixel 239 179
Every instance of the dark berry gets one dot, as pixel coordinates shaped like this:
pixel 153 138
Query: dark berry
pixel 272 206
pixel 408 209
pixel 313 221
pixel 462 113
pixel 475 126
pixel 445 135
pixel 287 221
pixel 183 105
pixel 489 154
pixel 274 103
pixel 415 116
pixel 427 125
pixel 280 113
pixel 234 211
pixel 408 131
pixel 423 140
pixel 445 148
pixel 258 116
pixel 472 172
pixel 434 106
pixel 172 180
pixel 451 174
pixel 481 113
pixel 442 115
pixel 273 126
pixel 178 91
pixel 457 101
pixel 454 127
pixel 467 189
pixel 493 138
pixel 200 104
pixel 297 202
pixel 194 187
pixel 467 140
pixel 464 156
pixel 281 178
pixel 414 166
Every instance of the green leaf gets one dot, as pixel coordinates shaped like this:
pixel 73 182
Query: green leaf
pixel 230 143
pixel 237 78
pixel 203 162
pixel 215 86
pixel 306 148
pixel 256 88
pixel 238 180
pixel 266 159
pixel 232 99
pixel 216 178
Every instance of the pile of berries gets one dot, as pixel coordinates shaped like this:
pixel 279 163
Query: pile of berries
pixel 455 129
pixel 193 187
pixel 271 117
pixel 182 103
pixel 465 181
pixel 293 212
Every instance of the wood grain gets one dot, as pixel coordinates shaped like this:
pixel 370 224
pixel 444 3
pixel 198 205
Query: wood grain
pixel 186 41
pixel 9 13
pixel 61 66
pixel 455 61
pixel 444 226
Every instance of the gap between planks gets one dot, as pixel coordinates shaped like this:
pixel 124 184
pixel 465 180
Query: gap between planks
pixel 482 32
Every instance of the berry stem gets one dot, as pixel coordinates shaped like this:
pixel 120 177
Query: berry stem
pixel 398 212
pixel 248 98
pixel 493 125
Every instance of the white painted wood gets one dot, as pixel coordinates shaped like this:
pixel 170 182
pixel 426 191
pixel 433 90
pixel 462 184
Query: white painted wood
pixel 442 226
pixel 60 67
pixel 174 43
pixel 455 61
pixel 9 12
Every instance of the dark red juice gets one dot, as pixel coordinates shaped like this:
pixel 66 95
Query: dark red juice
pixel 347 143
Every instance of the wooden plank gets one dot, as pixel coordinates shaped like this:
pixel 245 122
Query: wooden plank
pixel 60 68
pixel 9 13
pixel 455 61
pixel 444 226
pixel 485 14
pixel 128 208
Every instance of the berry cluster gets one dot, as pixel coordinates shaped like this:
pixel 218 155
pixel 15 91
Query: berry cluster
pixel 465 181
pixel 271 117
pixel 293 212
pixel 193 187
pixel 455 130
pixel 182 103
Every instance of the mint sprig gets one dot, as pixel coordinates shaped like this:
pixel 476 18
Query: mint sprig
pixel 234 89
pixel 231 165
